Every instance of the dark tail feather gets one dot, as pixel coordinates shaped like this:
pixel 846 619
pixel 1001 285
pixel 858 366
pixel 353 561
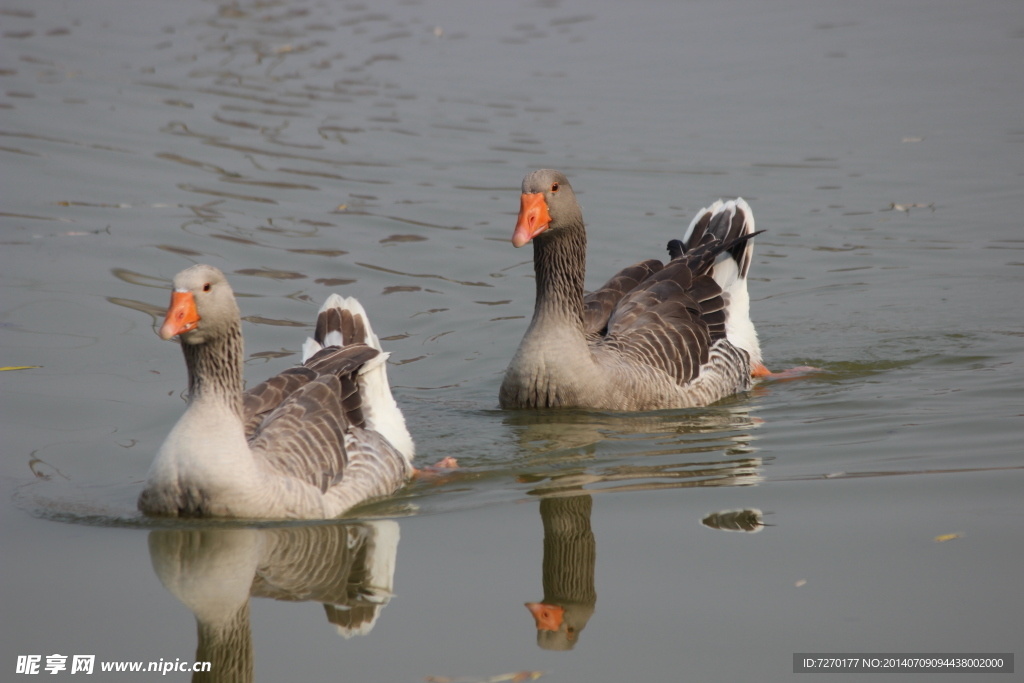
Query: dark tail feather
pixel 676 248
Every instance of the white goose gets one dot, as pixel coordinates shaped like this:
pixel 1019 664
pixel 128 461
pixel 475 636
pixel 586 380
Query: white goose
pixel 309 443
pixel 654 336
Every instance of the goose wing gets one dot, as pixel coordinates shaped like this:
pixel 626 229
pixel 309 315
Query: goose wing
pixel 265 397
pixel 307 436
pixel 334 327
pixel 672 318
pixel 598 305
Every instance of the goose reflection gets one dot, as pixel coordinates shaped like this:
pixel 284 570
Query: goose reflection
pixel 574 455
pixel 570 552
pixel 348 567
pixel 712 447
pixel 570 556
pixel 546 431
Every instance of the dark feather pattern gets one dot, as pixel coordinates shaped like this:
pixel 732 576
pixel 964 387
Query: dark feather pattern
pixel 721 228
pixel 352 400
pixel 598 305
pixel 268 395
pixel 326 321
pixel 304 436
pixel 676 248
pixel 352 328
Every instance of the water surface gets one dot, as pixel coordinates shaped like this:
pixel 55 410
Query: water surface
pixel 377 150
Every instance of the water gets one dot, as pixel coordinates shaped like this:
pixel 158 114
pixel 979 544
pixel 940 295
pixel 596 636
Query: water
pixel 377 150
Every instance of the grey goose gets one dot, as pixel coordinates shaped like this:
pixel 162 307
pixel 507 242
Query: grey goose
pixel 309 443
pixel 655 336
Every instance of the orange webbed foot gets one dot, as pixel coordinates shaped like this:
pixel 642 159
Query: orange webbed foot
pixel 761 372
pixel 436 470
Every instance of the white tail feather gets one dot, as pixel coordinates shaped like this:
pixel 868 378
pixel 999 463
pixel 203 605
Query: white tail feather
pixel 380 410
pixel 309 348
pixel 714 208
pixel 379 407
pixel 739 329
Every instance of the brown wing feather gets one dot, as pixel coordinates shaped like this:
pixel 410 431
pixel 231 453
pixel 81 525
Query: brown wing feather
pixel 342 362
pixel 305 435
pixel 598 305
pixel 258 402
pixel 266 396
pixel 374 461
pixel 352 328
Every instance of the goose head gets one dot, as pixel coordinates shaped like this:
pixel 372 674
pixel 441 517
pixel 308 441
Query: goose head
pixel 547 204
pixel 202 306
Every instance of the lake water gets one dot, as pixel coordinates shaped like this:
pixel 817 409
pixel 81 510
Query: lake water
pixel 376 149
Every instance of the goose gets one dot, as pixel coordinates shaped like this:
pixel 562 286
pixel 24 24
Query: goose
pixel 655 336
pixel 309 443
pixel 570 553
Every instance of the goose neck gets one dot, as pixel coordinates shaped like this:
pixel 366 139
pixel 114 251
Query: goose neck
pixel 559 261
pixel 215 369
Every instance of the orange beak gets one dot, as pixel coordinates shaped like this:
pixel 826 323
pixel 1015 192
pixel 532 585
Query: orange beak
pixel 533 218
pixel 181 316
pixel 548 617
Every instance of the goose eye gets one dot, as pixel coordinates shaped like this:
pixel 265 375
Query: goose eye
pixel 206 287
pixel 554 187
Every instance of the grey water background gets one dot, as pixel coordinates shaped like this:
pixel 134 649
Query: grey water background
pixel 376 149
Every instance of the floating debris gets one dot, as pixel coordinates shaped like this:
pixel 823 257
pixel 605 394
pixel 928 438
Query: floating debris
pixel 514 677
pixel 893 206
